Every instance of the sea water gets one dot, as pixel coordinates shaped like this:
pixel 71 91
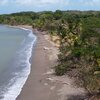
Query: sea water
pixel 16 46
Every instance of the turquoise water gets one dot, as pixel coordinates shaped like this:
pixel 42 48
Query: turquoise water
pixel 15 51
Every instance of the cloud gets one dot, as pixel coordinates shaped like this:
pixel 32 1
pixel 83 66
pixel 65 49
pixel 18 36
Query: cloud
pixel 96 2
pixel 3 2
pixel 25 2
pixel 90 2
pixel 49 1
pixel 57 3
pixel 34 2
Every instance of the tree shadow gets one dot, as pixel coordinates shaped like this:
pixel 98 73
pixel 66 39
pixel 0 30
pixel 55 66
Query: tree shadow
pixel 76 97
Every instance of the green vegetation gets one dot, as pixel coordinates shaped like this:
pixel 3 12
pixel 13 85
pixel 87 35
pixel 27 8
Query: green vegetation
pixel 79 34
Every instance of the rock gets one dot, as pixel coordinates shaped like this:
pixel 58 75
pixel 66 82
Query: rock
pixel 46 48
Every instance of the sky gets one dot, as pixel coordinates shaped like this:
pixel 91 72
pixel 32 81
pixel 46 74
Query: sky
pixel 12 6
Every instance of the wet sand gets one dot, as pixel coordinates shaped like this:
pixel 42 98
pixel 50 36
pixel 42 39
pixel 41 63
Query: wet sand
pixel 35 88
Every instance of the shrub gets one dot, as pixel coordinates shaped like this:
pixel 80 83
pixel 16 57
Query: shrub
pixel 60 69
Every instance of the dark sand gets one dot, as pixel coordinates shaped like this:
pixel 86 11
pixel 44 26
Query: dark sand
pixel 41 83
pixel 35 89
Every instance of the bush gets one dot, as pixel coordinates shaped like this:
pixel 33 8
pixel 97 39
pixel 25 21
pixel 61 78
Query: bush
pixel 77 52
pixel 60 69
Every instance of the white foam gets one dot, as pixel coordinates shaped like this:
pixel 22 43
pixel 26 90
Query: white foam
pixel 16 84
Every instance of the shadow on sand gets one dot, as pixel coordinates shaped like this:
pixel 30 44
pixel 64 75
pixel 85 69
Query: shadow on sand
pixel 77 97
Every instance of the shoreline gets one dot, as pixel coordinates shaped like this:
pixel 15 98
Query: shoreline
pixel 31 34
pixel 42 83
pixel 34 79
pixel 19 77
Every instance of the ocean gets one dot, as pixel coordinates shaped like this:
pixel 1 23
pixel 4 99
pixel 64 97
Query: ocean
pixel 16 45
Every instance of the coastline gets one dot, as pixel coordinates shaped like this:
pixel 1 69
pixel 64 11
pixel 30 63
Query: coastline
pixel 42 83
pixel 17 75
pixel 41 64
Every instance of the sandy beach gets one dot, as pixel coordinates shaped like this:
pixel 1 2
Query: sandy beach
pixel 35 87
pixel 42 84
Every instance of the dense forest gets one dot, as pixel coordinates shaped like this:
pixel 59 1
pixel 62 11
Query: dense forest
pixel 79 36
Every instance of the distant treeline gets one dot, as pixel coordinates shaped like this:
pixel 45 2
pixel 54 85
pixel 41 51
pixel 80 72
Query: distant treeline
pixel 40 18
pixel 79 36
